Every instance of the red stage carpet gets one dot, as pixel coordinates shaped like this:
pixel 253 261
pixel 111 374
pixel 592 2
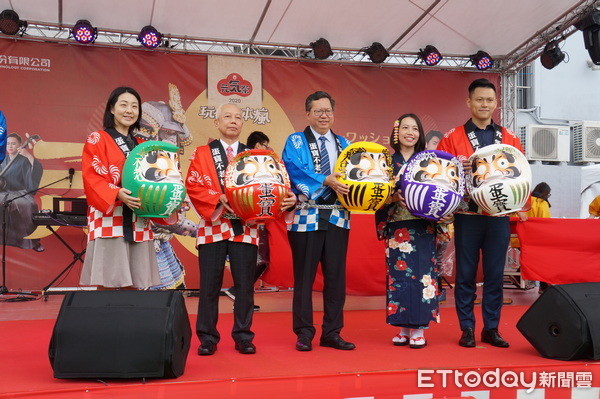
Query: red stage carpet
pixel 376 369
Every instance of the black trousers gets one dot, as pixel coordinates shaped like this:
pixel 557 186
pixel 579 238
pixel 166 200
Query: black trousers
pixel 490 236
pixel 242 259
pixel 328 247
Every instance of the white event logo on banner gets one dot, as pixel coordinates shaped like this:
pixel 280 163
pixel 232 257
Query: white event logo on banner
pixel 234 80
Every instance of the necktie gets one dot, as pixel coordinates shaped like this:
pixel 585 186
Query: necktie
pixel 229 154
pixel 325 165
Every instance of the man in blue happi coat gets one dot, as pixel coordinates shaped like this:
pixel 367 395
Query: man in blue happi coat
pixel 319 231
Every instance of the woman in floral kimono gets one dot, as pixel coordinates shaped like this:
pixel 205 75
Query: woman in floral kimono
pixel 410 254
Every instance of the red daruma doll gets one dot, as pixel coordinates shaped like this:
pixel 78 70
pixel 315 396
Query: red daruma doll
pixel 256 182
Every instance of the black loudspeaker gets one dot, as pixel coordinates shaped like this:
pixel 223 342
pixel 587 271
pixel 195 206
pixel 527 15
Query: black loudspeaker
pixel 120 334
pixel 564 322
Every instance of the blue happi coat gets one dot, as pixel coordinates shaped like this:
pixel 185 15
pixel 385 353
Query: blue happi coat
pixel 307 184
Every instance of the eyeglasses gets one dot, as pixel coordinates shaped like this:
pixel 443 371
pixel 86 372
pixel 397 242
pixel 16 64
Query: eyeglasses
pixel 320 112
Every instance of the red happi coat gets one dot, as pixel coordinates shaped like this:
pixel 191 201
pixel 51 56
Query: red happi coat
pixel 101 167
pixel 457 143
pixel 204 190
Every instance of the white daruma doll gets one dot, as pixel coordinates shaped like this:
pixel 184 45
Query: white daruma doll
pixel 499 180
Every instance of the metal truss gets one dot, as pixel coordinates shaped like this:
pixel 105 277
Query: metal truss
pixel 38 31
pixel 508 81
pixel 561 28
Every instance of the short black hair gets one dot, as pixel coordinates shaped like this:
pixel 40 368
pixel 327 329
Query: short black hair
pixel 256 137
pixel 109 118
pixel 317 95
pixel 481 83
pixel 420 144
pixel 433 133
pixel 15 135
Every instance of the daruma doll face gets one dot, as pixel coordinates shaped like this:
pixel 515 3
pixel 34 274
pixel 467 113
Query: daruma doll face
pixel 368 166
pixel 498 165
pixel 161 166
pixel 257 169
pixel 442 172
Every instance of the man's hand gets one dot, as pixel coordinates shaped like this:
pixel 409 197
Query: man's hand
pixel 335 184
pixel 288 202
pixel 132 202
pixel 466 166
pixel 225 203
pixel 522 216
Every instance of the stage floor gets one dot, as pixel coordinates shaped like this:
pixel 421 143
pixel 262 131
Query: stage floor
pixel 376 369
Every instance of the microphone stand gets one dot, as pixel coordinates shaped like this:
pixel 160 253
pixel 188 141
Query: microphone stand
pixel 3 289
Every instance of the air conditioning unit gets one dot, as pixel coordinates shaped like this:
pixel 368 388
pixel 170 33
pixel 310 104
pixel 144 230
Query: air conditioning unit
pixel 546 142
pixel 586 142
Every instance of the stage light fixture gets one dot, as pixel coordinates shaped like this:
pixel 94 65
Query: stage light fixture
pixel 150 37
pixel 376 52
pixel 321 49
pixel 482 60
pixel 430 55
pixel 552 55
pixel 83 32
pixel 590 27
pixel 10 24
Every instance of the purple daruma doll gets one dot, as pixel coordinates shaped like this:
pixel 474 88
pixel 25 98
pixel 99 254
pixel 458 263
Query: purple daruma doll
pixel 432 184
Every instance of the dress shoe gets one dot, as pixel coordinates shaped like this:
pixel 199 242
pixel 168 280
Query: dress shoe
pixel 337 342
pixel 207 349
pixel 467 338
pixel 245 347
pixel 303 345
pixel 492 337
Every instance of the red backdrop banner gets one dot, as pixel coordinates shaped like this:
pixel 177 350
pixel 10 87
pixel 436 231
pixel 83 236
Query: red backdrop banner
pixel 59 92
pixel 560 251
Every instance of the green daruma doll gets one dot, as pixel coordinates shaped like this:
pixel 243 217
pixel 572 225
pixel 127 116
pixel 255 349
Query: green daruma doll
pixel 151 173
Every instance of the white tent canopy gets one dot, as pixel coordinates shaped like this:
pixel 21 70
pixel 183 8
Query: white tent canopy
pixel 511 31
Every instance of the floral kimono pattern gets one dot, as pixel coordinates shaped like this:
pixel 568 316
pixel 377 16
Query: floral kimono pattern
pixel 412 273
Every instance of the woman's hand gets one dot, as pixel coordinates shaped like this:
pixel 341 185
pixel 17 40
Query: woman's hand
pixel 447 219
pixel 397 197
pixel 125 198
